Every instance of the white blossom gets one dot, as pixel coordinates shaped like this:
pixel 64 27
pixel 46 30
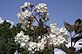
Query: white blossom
pixel 26 4
pixel 41 7
pixel 21 38
pixel 28 13
pixel 22 44
pixel 54 28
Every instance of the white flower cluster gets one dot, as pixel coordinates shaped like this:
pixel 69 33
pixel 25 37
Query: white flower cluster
pixel 39 46
pixel 30 45
pixel 25 13
pixel 26 4
pixel 22 39
pixel 29 11
pixel 41 7
pixel 55 37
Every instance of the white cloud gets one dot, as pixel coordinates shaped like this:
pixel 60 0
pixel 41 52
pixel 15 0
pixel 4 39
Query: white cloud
pixel 1 20
pixel 12 23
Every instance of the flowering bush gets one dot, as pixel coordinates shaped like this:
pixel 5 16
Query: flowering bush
pixel 27 38
pixel 40 37
pixel 55 37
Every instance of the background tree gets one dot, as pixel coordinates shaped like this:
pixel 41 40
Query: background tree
pixel 7 34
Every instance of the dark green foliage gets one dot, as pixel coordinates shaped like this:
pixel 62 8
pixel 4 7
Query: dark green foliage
pixel 7 34
pixel 78 26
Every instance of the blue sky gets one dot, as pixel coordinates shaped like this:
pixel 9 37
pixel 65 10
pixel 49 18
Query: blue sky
pixel 59 10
